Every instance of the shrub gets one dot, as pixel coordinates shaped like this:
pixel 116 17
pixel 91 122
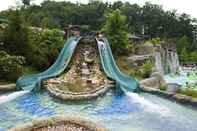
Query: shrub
pixel 17 36
pixel 189 92
pixel 115 28
pixel 11 67
pixel 155 41
pixel 47 45
pixel 163 87
pixel 147 69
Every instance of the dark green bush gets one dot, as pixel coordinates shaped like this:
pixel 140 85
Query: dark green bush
pixel 115 29
pixel 47 45
pixel 163 87
pixel 11 67
pixel 147 69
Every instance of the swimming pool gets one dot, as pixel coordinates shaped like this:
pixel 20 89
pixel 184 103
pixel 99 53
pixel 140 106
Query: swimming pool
pixel 183 78
pixel 144 112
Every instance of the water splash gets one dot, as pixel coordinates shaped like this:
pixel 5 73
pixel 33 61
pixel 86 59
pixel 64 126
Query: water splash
pixel 12 96
pixel 148 105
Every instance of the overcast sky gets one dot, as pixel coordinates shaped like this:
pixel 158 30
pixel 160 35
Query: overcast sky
pixel 182 6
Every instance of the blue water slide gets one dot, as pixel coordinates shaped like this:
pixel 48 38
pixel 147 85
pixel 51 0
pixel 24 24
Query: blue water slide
pixel 124 82
pixel 33 82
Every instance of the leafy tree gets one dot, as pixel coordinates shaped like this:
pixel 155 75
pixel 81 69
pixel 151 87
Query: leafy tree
pixel 17 39
pixel 156 41
pixel 134 16
pixel 47 45
pixel 184 56
pixel 152 20
pixel 11 67
pixel 183 43
pixel 149 19
pixel 117 5
pixel 115 29
pixel 26 2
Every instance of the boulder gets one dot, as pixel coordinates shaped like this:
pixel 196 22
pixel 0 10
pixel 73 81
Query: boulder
pixel 159 77
pixel 144 49
pixel 138 60
pixel 155 81
pixel 150 82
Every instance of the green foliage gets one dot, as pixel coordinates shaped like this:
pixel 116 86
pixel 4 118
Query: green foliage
pixel 115 28
pixel 185 51
pixel 150 19
pixel 155 41
pixel 163 87
pixel 183 43
pixel 184 56
pixel 17 36
pixel 11 67
pixel 147 69
pixel 47 45
pixel 189 92
pixel 26 2
pixel 193 56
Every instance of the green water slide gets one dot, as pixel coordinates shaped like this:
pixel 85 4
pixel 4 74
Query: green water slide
pixel 33 82
pixel 123 82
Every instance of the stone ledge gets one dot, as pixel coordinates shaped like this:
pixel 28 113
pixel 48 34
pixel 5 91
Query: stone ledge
pixel 8 87
pixel 177 97
pixel 79 96
pixel 55 121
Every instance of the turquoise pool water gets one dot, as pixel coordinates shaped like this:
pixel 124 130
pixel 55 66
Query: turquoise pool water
pixel 182 79
pixel 131 112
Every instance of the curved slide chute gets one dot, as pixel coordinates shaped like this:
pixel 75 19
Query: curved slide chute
pixel 33 82
pixel 123 82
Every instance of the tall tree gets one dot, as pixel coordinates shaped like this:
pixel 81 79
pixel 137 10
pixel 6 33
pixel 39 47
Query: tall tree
pixel 17 39
pixel 26 2
pixel 115 29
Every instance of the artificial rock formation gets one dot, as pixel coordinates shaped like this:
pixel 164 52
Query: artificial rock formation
pixel 83 76
pixel 166 60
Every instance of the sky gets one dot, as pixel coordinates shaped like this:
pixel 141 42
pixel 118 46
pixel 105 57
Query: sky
pixel 182 6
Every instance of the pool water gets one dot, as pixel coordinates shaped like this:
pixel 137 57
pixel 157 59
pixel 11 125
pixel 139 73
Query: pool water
pixel 182 79
pixel 130 112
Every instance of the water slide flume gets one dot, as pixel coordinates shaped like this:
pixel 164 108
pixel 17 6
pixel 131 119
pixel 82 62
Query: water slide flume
pixel 123 82
pixel 33 82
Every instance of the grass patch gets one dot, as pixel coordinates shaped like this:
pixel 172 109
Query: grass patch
pixel 188 92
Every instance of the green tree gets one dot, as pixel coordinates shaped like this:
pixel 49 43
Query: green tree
pixel 184 56
pixel 134 16
pixel 183 43
pixel 17 39
pixel 26 2
pixel 11 66
pixel 115 29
